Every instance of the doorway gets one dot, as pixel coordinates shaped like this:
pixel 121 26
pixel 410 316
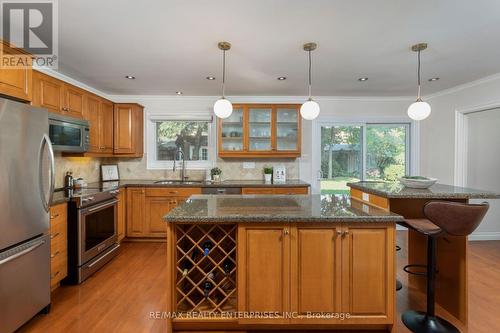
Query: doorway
pixel 483 165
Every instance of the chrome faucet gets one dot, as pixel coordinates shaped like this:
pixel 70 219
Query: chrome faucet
pixel 183 169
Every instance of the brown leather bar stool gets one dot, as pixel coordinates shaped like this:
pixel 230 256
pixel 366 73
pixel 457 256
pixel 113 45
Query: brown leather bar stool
pixel 442 218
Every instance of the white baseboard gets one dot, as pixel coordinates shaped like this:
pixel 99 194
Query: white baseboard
pixel 484 236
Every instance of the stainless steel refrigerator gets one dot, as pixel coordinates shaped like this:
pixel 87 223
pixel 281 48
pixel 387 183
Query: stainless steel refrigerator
pixel 26 188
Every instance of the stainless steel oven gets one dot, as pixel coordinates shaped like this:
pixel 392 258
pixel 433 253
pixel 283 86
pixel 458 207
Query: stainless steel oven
pixel 97 227
pixel 92 233
pixel 69 134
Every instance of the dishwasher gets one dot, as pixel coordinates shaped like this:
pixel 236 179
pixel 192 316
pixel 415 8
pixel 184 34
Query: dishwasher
pixel 221 190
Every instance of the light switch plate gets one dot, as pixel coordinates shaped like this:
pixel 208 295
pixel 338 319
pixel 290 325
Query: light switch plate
pixel 366 197
pixel 248 165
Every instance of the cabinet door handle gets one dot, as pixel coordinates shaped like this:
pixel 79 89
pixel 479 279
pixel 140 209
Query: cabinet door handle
pixel 340 233
pixel 54 235
pixel 54 275
pixel 286 232
pixel 173 192
pixel 52 256
pixel 55 216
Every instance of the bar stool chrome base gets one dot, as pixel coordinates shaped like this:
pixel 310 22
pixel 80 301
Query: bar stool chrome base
pixel 419 322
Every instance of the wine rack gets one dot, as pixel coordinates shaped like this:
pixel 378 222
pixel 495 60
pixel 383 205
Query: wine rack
pixel 206 268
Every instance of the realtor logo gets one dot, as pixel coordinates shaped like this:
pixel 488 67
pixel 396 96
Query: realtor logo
pixel 32 27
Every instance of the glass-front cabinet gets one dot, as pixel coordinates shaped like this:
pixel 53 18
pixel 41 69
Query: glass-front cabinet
pixel 260 130
pixel 231 132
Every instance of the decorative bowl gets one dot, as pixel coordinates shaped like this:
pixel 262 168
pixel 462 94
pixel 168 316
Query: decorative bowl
pixel 417 181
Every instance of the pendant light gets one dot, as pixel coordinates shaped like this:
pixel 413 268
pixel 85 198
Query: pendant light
pixel 223 108
pixel 310 109
pixel 419 110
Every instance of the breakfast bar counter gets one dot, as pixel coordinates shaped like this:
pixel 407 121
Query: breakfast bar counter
pixel 248 263
pixel 451 283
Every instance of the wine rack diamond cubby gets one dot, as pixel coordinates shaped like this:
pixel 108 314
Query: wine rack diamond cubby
pixel 206 268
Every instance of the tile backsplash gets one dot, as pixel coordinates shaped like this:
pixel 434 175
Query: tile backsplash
pixel 88 168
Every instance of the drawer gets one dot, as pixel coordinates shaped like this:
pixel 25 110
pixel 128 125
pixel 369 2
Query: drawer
pixel 250 190
pixel 58 268
pixel 291 190
pixel 172 191
pixel 58 216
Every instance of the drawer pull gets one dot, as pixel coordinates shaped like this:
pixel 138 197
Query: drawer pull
pixel 52 256
pixel 173 192
pixel 54 275
pixel 55 216
pixel 54 235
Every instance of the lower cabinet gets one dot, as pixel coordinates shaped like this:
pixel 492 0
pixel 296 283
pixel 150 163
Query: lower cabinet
pixel 314 271
pixel 275 190
pixel 58 244
pixel 121 214
pixel 146 208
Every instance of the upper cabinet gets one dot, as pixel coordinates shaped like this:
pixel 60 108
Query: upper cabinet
pixel 99 113
pixel 15 81
pixel 57 96
pixel 260 130
pixel 128 130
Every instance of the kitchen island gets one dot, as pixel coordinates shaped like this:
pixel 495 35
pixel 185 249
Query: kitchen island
pixel 248 263
pixel 451 279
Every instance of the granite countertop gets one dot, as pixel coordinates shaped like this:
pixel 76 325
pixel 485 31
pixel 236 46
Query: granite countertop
pixel 276 208
pixel 59 198
pixel 224 183
pixel 437 191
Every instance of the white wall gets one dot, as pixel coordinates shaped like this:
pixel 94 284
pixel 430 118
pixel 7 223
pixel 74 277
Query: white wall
pixel 437 138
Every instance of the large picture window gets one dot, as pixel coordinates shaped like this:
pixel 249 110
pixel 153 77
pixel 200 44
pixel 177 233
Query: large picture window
pixel 369 151
pixel 168 138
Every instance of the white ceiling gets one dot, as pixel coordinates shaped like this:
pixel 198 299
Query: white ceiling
pixel 171 45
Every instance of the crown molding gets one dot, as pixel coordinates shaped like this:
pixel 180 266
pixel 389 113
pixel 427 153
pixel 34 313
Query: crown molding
pixel 263 99
pixel 464 86
pixel 70 80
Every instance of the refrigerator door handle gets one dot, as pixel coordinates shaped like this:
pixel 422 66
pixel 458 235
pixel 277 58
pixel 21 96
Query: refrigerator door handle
pixel 46 142
pixel 22 253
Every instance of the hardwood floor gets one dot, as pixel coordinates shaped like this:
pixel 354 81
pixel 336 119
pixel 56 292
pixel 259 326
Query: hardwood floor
pixel 120 297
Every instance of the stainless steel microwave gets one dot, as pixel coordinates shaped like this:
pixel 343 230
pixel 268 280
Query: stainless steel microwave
pixel 69 134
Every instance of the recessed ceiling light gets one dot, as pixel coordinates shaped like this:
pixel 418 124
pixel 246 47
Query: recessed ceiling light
pixel 433 79
pixel 282 78
pixel 178 92
pixel 362 79
pixel 130 77
pixel 211 78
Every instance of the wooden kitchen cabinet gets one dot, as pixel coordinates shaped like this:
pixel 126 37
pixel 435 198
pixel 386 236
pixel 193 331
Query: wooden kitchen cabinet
pixel 316 271
pixel 15 82
pixel 368 273
pixel 121 214
pixel 99 113
pixel 57 96
pixel 128 130
pixel 275 190
pixel 58 244
pixel 260 130
pixel 263 271
pixel 318 268
pixel 146 208
pixel 136 209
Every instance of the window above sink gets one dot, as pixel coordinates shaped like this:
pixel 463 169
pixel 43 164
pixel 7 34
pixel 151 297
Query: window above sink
pixel 167 135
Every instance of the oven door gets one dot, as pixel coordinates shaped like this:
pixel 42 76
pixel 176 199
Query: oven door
pixel 97 226
pixel 68 136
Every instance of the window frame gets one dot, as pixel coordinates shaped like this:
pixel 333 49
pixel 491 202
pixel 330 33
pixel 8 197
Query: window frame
pixel 412 141
pixel 154 164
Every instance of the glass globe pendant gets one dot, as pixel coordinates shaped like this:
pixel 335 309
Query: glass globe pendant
pixel 419 110
pixel 222 107
pixel 310 109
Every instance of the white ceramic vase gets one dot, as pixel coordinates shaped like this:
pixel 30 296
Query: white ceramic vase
pixel 268 178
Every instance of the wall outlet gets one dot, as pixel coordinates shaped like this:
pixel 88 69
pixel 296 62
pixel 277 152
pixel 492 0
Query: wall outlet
pixel 248 165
